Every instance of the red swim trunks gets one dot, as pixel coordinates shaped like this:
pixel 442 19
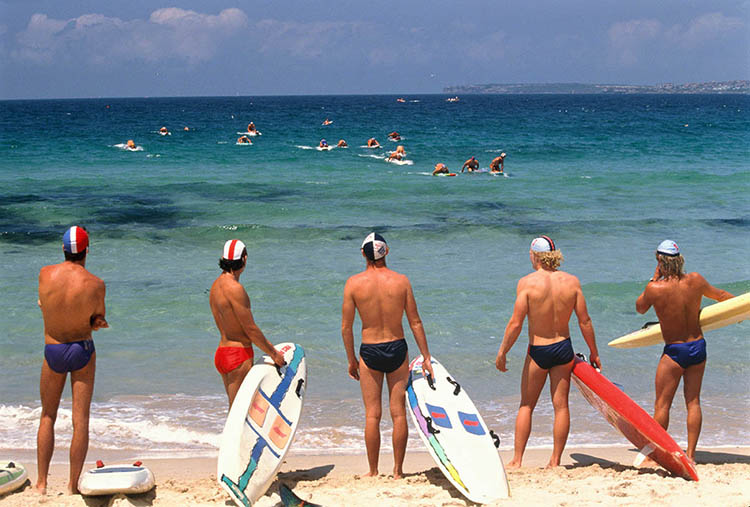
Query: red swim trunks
pixel 227 359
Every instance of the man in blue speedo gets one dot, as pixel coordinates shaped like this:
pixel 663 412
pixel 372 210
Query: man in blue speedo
pixel 548 297
pixel 676 298
pixel 72 303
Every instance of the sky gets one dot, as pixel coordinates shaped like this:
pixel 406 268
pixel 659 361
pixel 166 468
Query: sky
pixel 137 48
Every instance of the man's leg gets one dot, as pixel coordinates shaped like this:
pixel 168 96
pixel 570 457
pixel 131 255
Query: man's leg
pixel 532 382
pixel 692 388
pixel 668 374
pixel 82 386
pixel 233 379
pixel 397 398
pixel 559 388
pixel 371 383
pixel 51 385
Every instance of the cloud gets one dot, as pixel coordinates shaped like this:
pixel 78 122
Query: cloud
pixel 168 34
pixel 632 42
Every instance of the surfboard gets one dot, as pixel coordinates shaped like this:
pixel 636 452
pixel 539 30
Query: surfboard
pixel 455 434
pixel 712 317
pixel 289 499
pixel 111 479
pixel 12 476
pixel 261 424
pixel 631 420
pixel 324 148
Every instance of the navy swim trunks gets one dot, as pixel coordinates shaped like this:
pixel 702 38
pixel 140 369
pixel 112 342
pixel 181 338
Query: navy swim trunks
pixel 688 353
pixel 65 357
pixel 385 357
pixel 547 356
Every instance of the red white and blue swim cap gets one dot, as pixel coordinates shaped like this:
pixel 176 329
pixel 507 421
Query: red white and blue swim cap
pixel 75 240
pixel 543 244
pixel 374 246
pixel 668 248
pixel 233 250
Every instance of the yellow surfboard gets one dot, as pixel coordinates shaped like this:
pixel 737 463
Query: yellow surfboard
pixel 712 317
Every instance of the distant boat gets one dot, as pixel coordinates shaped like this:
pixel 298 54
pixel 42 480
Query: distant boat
pixel 452 99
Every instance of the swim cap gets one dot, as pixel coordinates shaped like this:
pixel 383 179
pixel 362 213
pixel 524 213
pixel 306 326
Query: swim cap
pixel 542 244
pixel 374 246
pixel 668 248
pixel 233 250
pixel 75 240
pixel 502 154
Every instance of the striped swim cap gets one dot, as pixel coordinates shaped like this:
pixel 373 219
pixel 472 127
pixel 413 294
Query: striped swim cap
pixel 233 250
pixel 542 244
pixel 75 240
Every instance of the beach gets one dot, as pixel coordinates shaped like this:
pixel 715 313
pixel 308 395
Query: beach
pixel 588 476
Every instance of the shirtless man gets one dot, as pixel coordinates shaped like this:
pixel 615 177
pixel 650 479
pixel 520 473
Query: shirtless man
pixel 251 128
pixel 440 168
pixel 72 303
pixel 373 143
pixel 548 297
pixel 498 164
pixel 230 306
pixel 244 140
pixel 395 136
pixel 472 164
pixel 399 154
pixel 382 297
pixel 676 298
pixel 342 144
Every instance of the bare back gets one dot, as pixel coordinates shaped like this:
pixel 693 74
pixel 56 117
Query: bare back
pixel 381 296
pixel 229 304
pixel 71 299
pixel 551 297
pixel 677 303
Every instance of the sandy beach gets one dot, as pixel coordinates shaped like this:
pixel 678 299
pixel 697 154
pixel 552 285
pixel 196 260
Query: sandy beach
pixel 589 476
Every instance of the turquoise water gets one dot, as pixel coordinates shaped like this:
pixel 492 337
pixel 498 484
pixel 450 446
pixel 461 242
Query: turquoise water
pixel 608 177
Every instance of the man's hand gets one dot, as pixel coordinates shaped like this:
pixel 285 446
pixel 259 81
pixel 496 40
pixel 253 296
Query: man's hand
pixel 427 366
pixel 278 359
pixel 98 322
pixel 500 362
pixel 354 370
pixel 594 360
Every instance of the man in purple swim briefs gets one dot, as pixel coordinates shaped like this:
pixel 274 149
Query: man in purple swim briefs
pixel 676 298
pixel 548 297
pixel 72 303
pixel 381 296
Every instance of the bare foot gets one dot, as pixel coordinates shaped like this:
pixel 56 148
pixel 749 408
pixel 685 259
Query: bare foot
pixel 513 464
pixel 41 489
pixel 553 464
pixel 371 474
pixel 398 474
pixel 648 463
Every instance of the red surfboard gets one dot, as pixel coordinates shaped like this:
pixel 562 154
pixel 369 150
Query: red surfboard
pixel 631 420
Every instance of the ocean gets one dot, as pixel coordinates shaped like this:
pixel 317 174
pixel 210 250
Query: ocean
pixel 607 177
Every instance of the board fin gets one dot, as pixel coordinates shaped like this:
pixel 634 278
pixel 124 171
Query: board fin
pixel 289 499
pixel 643 454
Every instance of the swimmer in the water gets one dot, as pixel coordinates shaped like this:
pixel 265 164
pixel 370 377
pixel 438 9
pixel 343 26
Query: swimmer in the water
pixel 327 121
pixel 395 136
pixel 163 131
pixel 186 129
pixel 399 154
pixel 244 140
pixel 342 144
pixel 251 128
pixel 498 164
pixel 472 165
pixel 440 168
pixel 131 145
pixel 323 144
pixel 373 143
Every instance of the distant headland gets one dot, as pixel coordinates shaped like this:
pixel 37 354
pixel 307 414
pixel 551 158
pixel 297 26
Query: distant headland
pixel 739 86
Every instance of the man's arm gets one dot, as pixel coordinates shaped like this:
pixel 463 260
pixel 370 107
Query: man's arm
pixel 240 302
pixel 514 326
pixel 643 303
pixel 415 323
pixel 97 319
pixel 348 308
pixel 586 326
pixel 464 166
pixel 712 292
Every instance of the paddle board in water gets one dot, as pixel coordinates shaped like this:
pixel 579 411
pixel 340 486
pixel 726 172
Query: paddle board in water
pixel 261 425
pixel 111 479
pixel 712 317
pixel 455 434
pixel 12 476
pixel 289 499
pixel 631 420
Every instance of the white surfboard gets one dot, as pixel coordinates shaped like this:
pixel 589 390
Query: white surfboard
pixel 12 476
pixel 455 434
pixel 111 479
pixel 712 317
pixel 261 424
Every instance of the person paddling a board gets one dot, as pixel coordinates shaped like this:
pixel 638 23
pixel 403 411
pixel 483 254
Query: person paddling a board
pixel 498 164
pixel 676 298
pixel 548 297
pixel 230 306
pixel 382 296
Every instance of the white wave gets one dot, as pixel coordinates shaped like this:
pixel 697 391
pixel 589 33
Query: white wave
pixel 378 157
pixel 303 147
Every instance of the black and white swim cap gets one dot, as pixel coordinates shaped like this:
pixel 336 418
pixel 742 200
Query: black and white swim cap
pixel 374 246
pixel 542 244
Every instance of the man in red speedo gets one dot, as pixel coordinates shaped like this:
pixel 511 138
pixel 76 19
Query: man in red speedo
pixel 230 306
